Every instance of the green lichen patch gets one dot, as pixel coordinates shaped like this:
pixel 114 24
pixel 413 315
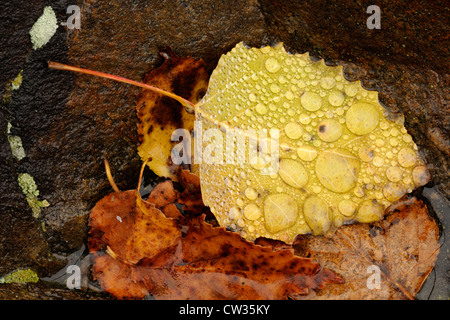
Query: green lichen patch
pixel 28 186
pixel 12 86
pixel 15 84
pixel 15 142
pixel 20 276
pixel 16 147
pixel 30 190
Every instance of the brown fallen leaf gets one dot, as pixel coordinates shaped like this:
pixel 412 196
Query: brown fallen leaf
pixel 132 230
pixel 212 263
pixel 164 195
pixel 159 116
pixel 145 253
pixel 404 246
pixel 191 197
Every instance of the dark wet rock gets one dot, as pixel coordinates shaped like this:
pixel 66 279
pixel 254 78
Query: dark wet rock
pixel 69 123
pixel 45 291
pixel 22 242
pixel 17 18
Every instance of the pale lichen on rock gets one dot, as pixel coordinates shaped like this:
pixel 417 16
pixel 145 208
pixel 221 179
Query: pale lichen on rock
pixel 31 192
pixel 44 28
pixel 343 157
pixel 15 143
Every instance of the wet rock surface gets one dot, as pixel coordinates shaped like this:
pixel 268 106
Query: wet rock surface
pixel 42 291
pixel 69 123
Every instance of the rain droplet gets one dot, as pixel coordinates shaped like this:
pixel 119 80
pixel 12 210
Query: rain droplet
pixel 351 89
pixel 336 98
pixel 307 136
pixel 261 108
pixel 311 101
pixel 337 170
pixel 406 157
pixel 272 65
pixel 258 163
pixel 252 212
pixel 378 161
pixel 393 142
pixel 394 132
pixel 275 88
pixel 394 174
pixel 280 212
pixel 293 173
pixel 393 191
pixel 293 130
pixel 327 82
pixel 358 191
pixel 369 211
pixel 307 153
pixel 362 118
pixel 329 130
pixel 366 153
pixel 316 213
pixel 421 175
pixel 379 142
pixel 289 95
pixel 251 193
pixel 347 207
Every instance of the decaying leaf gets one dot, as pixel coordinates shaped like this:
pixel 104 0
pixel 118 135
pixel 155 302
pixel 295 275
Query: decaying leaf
pixel 212 263
pixel 160 116
pixel 132 230
pixel 138 251
pixel 190 197
pixel 401 250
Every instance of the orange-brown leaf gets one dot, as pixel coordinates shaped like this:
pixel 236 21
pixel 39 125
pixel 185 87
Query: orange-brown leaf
pixel 162 194
pixel 131 232
pixel 115 277
pixel 404 246
pixel 212 263
pixel 144 252
pixel 190 197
